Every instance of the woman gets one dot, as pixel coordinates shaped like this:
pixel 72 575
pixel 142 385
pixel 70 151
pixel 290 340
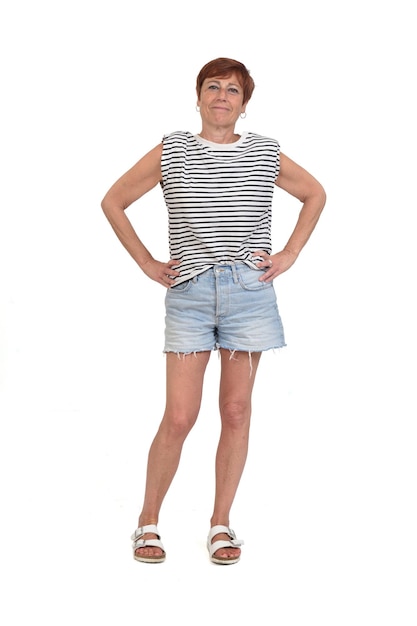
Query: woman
pixel 218 188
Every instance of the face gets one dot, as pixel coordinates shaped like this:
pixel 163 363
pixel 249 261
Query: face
pixel 221 100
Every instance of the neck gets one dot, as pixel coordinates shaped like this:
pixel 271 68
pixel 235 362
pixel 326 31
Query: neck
pixel 219 135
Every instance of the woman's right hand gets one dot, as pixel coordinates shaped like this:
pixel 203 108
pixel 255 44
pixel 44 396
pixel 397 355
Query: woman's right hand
pixel 162 273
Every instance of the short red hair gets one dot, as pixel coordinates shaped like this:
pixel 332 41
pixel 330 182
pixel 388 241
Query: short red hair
pixel 222 68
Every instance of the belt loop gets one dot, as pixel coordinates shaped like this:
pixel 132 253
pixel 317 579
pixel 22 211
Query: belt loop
pixel 234 272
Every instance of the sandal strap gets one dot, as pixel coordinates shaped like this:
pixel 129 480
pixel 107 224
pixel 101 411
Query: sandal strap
pixel 222 543
pixel 142 530
pixel 219 528
pixel 216 545
pixel 138 542
pixel 147 543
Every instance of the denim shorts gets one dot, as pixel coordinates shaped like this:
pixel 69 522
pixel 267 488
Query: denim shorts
pixel 224 307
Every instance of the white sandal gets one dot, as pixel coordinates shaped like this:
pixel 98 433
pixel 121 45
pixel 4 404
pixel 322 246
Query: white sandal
pixel 138 542
pixel 222 543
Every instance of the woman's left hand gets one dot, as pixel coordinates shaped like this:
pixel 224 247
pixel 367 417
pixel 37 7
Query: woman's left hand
pixel 275 264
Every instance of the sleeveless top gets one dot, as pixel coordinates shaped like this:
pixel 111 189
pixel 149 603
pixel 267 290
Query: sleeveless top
pixel 219 199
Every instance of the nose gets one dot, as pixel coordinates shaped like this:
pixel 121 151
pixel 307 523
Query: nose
pixel 222 93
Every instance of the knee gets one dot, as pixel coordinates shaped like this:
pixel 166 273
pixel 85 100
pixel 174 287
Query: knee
pixel 178 423
pixel 235 414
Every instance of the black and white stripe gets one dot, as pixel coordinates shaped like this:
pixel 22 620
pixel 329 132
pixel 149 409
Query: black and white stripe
pixel 219 198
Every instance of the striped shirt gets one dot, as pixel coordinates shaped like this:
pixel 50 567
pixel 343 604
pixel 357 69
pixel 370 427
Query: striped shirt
pixel 219 199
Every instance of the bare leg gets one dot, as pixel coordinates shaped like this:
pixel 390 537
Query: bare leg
pixel 236 387
pixel 185 374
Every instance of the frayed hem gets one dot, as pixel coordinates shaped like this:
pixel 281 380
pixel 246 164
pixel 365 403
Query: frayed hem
pixel 182 354
pixel 249 353
pixel 232 356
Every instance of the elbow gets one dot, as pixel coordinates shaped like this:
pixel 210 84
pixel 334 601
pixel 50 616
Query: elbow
pixel 106 203
pixel 315 197
pixel 104 206
pixel 319 195
pixel 113 204
pixel 322 196
pixel 108 206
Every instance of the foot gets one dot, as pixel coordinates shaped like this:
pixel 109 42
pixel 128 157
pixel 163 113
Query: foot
pixel 225 553
pixel 147 545
pixel 222 545
pixel 150 551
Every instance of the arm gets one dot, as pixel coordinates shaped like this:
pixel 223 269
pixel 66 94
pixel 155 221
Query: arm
pixel 299 183
pixel 134 184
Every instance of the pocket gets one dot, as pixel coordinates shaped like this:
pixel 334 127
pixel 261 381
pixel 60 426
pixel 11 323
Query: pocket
pixel 181 288
pixel 249 280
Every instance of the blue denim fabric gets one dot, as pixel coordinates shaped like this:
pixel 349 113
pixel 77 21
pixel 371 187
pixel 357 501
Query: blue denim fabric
pixel 224 307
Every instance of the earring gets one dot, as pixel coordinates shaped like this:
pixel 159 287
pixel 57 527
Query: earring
pixel 242 115
pixel 197 108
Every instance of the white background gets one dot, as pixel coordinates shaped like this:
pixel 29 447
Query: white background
pixel 327 503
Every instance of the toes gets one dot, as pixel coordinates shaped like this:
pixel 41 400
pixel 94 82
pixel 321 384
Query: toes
pixel 229 554
pixel 148 552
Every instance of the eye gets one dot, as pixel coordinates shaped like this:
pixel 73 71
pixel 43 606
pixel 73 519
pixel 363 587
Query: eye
pixel 234 90
pixel 213 86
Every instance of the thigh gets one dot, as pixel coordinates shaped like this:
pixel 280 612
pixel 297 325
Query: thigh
pixel 238 373
pixel 190 315
pixel 250 320
pixel 184 381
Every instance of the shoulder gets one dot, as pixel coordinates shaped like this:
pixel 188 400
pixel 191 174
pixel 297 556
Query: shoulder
pixel 177 137
pixel 262 140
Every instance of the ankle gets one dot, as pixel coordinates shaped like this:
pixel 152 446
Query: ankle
pixel 219 521
pixel 147 521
